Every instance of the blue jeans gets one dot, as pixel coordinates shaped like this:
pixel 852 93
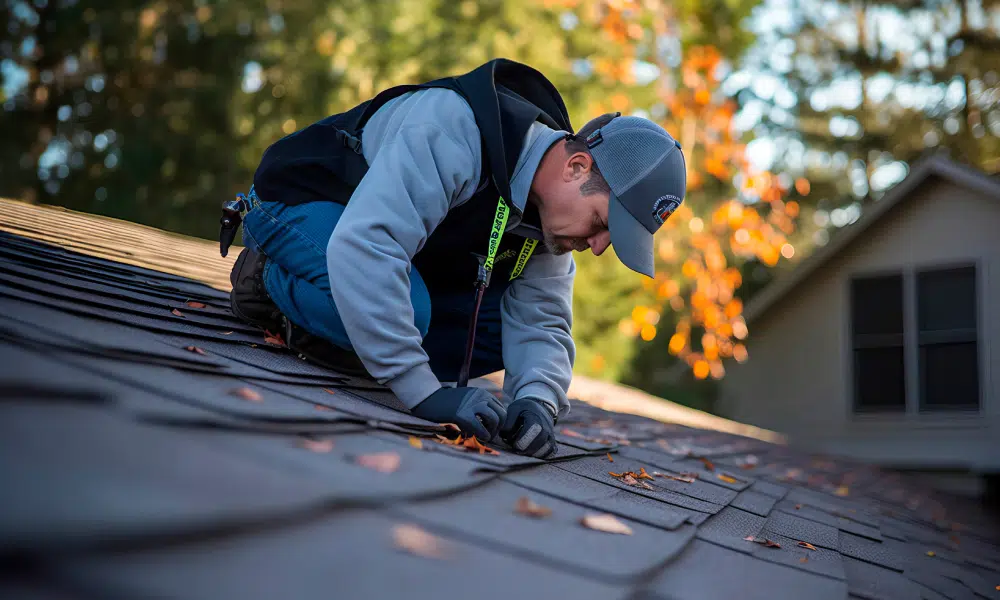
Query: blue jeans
pixel 294 239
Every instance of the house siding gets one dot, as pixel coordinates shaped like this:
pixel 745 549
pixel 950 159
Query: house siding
pixel 798 378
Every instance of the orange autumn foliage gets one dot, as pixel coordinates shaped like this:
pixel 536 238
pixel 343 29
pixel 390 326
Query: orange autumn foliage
pixel 731 212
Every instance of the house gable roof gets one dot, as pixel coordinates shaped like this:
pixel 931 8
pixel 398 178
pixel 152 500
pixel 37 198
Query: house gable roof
pixel 934 165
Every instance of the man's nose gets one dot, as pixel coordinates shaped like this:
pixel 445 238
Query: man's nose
pixel 600 242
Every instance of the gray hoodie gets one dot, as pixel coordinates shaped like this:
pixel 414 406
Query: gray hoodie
pixel 425 158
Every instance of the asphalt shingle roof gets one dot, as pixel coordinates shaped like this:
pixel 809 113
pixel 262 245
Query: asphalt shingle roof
pixel 152 453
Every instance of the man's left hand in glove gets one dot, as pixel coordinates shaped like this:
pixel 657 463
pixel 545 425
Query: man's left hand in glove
pixel 530 428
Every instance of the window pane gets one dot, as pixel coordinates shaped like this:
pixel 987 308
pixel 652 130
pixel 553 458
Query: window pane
pixel 949 376
pixel 878 380
pixel 877 305
pixel 946 299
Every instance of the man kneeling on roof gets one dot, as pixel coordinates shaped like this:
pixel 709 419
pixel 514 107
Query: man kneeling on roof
pixel 400 241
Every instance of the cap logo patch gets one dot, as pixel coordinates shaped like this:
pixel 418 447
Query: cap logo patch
pixel 664 207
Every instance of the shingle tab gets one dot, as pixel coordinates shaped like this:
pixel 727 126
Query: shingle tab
pixel 755 502
pixel 729 528
pixel 801 530
pixel 487 513
pixel 876 583
pixel 877 553
pixel 709 572
pixel 593 468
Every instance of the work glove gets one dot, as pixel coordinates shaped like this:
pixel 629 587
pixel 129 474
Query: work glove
pixel 529 428
pixel 475 411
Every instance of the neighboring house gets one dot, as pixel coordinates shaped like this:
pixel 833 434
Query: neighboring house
pixel 885 344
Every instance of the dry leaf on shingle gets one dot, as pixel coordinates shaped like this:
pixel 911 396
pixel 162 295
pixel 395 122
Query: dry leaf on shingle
pixel 804 559
pixel 571 433
pixel 176 313
pixel 194 349
pixel 708 464
pixel 451 427
pixel 807 545
pixel 684 477
pixel 226 333
pixel 763 541
pixel 629 479
pixel 318 446
pixel 415 540
pixel 194 304
pixel 526 506
pixel 247 394
pixel 416 442
pixel 321 407
pixel 473 443
pixel 726 478
pixel 274 339
pixel 609 458
pixel 643 474
pixel 383 462
pixel 842 491
pixel 606 523
pixel 329 391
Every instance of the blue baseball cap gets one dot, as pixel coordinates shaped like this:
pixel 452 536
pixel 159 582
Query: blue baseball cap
pixel 645 168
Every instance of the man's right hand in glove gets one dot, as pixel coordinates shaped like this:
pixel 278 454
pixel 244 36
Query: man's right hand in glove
pixel 475 411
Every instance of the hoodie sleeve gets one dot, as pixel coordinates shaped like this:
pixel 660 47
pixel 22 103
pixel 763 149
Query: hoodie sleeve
pixel 538 347
pixel 424 158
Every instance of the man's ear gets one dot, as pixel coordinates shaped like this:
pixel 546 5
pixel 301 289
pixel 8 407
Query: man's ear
pixel 577 165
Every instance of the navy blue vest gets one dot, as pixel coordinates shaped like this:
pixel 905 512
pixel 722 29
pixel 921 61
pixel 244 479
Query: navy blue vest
pixel 324 162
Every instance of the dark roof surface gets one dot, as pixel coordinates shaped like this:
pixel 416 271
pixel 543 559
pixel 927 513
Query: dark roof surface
pixel 135 464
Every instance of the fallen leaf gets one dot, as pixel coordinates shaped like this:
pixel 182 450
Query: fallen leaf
pixel 606 523
pixel 807 545
pixel 318 446
pixel 708 464
pixel 618 475
pixel 804 559
pixel 763 541
pixel 321 407
pixel 194 349
pixel 726 478
pixel 448 441
pixel 176 313
pixel 416 442
pixel 643 474
pixel 998 588
pixel 630 479
pixel 473 443
pixel 571 433
pixel 383 462
pixel 329 391
pixel 685 477
pixel 931 553
pixel 226 333
pixel 415 540
pixel 609 458
pixel 842 491
pixel 194 304
pixel 247 394
pixel 274 339
pixel 452 427
pixel 526 506
pixel 798 506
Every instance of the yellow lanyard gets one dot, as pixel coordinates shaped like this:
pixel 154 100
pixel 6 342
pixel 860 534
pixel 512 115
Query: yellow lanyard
pixel 499 224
